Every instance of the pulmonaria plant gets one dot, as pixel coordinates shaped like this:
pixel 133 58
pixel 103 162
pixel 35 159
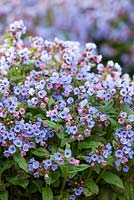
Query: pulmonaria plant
pixel 66 128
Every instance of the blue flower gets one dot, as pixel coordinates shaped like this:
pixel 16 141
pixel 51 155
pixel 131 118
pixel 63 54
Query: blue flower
pixel 47 163
pixel 17 142
pixel 70 100
pixel 125 168
pixel 88 159
pixel 54 167
pixel 42 93
pixel 36 165
pixel 58 156
pixel 118 153
pixel 12 149
pixel 68 153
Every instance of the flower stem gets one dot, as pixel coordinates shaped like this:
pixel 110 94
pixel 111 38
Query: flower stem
pixel 99 177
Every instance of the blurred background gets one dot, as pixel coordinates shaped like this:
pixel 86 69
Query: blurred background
pixel 108 23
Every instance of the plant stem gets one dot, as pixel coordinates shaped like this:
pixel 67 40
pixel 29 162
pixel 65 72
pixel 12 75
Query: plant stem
pixel 90 172
pixel 99 177
pixel 62 187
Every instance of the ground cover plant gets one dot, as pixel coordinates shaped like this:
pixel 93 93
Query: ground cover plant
pixel 66 121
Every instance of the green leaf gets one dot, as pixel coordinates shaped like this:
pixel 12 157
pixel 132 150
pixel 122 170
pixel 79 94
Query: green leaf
pixel 50 124
pixel 17 180
pixel 47 193
pixel 110 160
pixel 68 146
pixel 17 78
pixel 40 152
pixel 91 185
pixel 73 169
pixel 91 144
pixel 4 195
pixel 6 165
pixel 21 162
pixel 53 177
pixel 87 192
pixel 64 141
pixel 113 179
pixel 1 95
pixel 114 123
pixel 107 194
pixel 127 110
pixel 78 168
pixel 50 102
pixel 6 36
pixel 28 115
pixel 97 168
pixel 39 184
pixel 66 196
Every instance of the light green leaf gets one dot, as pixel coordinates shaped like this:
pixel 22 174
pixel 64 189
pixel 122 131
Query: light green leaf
pixel 91 144
pixel 113 179
pixel 97 168
pixel 127 110
pixel 21 162
pixel 87 192
pixel 50 124
pixel 113 122
pixel 91 185
pixel 47 193
pixel 41 152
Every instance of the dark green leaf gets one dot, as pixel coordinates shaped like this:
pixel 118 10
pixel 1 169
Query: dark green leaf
pixel 4 195
pixel 6 165
pixel 39 184
pixel 107 194
pixel 18 181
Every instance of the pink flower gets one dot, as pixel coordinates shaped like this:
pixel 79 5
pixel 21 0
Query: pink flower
pixel 80 137
pixel 124 160
pixel 87 131
pixel 46 99
pixel 56 107
pixel 74 161
pixel 121 121
pixel 6 94
pixel 46 176
pixel 22 111
pixel 16 114
pixel 48 113
pixel 42 105
pixel 92 164
pixel 128 127
pixel 23 153
pixel 57 85
pixel 69 117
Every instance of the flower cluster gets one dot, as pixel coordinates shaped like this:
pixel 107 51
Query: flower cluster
pixel 86 20
pixel 59 115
